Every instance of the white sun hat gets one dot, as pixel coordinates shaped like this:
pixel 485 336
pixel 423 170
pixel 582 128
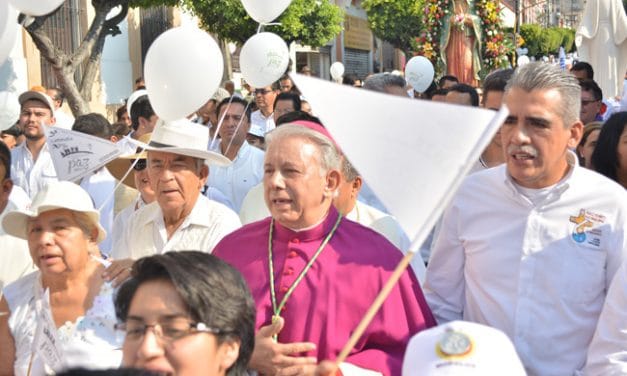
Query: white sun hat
pixel 183 137
pixel 461 348
pixel 56 195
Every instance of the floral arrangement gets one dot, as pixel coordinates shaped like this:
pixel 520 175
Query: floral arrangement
pixel 495 45
pixel 428 43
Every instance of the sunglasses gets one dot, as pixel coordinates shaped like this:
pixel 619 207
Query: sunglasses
pixel 140 165
pixel 262 91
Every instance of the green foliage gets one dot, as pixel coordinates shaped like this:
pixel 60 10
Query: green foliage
pixel 311 22
pixel 541 41
pixel 151 3
pixel 531 34
pixel 395 21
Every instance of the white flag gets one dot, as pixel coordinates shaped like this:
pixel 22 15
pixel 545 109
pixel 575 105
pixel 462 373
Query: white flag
pixel 412 153
pixel 75 154
pixel 46 344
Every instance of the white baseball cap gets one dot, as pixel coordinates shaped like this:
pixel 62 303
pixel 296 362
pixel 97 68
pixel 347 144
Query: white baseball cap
pixel 461 348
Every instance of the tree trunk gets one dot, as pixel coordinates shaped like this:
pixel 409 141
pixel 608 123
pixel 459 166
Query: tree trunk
pixel 90 49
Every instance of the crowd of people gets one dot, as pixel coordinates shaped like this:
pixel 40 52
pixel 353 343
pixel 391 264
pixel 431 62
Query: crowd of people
pixel 244 241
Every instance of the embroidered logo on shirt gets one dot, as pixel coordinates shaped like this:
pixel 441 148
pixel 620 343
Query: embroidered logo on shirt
pixel 585 229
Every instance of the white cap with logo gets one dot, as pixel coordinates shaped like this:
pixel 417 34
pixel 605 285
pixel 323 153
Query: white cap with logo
pixel 461 348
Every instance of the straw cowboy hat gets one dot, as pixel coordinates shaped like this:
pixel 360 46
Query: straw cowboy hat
pixel 119 166
pixel 56 195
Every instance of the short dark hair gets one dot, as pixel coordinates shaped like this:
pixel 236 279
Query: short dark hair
pixel 234 99
pixel 120 112
pixel 141 108
pixel 605 156
pixel 467 89
pixel 120 129
pixel 5 158
pixel 448 77
pixel 295 98
pixel 213 291
pixel 497 80
pixel 583 66
pixel 431 90
pixel 438 92
pixel 93 124
pixel 297 116
pixel 592 86
pixel 58 95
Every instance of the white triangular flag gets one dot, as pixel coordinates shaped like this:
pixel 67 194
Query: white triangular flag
pixel 76 155
pixel 46 343
pixel 412 153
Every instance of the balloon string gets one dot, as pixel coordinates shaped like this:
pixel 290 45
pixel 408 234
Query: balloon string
pixel 263 24
pixel 236 129
pixel 121 180
pixel 215 135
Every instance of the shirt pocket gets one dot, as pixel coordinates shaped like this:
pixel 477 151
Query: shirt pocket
pixel 582 275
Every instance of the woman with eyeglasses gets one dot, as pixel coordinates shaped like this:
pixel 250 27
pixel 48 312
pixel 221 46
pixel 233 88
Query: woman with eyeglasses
pixel 62 314
pixel 186 313
pixel 610 154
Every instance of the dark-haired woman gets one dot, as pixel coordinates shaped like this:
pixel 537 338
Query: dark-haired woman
pixel 610 155
pixel 186 313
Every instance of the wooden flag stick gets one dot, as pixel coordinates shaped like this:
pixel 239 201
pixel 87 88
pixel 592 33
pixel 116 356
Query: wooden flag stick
pixel 374 308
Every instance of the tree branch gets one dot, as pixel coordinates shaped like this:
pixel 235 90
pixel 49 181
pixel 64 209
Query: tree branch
pixel 91 37
pixel 110 27
pixel 44 44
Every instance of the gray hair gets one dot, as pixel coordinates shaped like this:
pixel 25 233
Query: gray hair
pixel 329 157
pixel 380 81
pixel 542 76
pixel 348 170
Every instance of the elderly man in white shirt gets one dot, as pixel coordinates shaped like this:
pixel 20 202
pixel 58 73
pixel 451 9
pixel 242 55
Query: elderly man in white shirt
pixel 181 218
pixel 31 163
pixel 530 247
pixel 246 169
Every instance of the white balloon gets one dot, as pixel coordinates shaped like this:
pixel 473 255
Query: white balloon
pixel 265 11
pixel 9 110
pixel 419 73
pixel 263 59
pixel 183 69
pixel 336 70
pixel 522 60
pixel 8 30
pixel 36 7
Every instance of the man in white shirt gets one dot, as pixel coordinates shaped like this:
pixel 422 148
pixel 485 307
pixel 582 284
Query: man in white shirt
pixel 31 163
pixel 264 98
pixel 181 218
pixel 246 169
pixel 530 247
pixel 63 120
pixel 346 203
pixel 15 260
pixel 143 121
pixel 608 349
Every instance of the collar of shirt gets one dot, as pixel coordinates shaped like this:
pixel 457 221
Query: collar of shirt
pixel 557 190
pixel 241 153
pixel 198 216
pixel 285 234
